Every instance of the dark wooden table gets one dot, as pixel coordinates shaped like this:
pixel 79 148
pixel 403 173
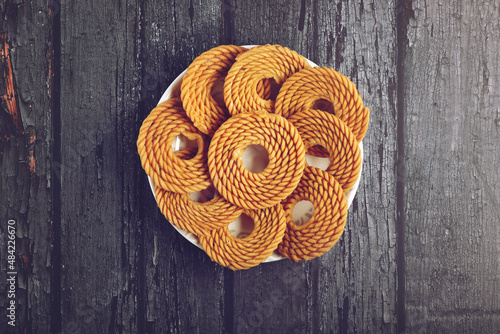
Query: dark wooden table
pixel 421 249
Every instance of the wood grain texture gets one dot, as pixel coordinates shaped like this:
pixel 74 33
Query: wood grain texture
pixel 452 173
pixel 25 163
pixel 332 293
pixel 357 280
pixel 102 246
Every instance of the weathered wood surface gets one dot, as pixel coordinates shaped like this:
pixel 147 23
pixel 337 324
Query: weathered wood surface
pixel 421 248
pixel 452 153
pixel 26 164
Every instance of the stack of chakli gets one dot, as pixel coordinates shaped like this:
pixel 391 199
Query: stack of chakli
pixel 269 96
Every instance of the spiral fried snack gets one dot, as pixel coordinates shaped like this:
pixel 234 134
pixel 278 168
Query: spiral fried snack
pixel 251 67
pixel 238 254
pixel 304 89
pixel 197 218
pixel 286 159
pixel 319 128
pixel 326 225
pixel 168 171
pixel 202 75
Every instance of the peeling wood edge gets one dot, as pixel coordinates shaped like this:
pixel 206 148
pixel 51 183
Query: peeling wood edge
pixel 9 97
pixel 11 103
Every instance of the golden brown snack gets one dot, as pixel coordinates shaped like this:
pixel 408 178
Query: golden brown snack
pixel 201 78
pixel 254 66
pixel 238 254
pixel 304 89
pixel 319 128
pixel 326 225
pixel 194 217
pixel 166 169
pixel 197 218
pixel 286 159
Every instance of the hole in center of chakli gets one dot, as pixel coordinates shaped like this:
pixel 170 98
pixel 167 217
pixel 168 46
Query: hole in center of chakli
pixel 302 212
pixel 325 105
pixel 318 162
pixel 268 89
pixel 255 158
pixel 217 91
pixel 242 227
pixel 184 148
pixel 204 195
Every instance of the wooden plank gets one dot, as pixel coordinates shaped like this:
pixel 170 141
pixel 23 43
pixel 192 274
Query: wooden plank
pixel 25 165
pixel 136 266
pixel 102 245
pixel 352 287
pixel 452 173
pixel 357 279
pixel 273 296
pixel 184 288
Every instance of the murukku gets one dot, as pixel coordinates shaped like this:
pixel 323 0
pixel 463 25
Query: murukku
pixel 197 218
pixel 278 179
pixel 199 83
pixel 238 254
pixel 324 228
pixel 168 171
pixel 318 128
pixel 304 89
pixel 251 68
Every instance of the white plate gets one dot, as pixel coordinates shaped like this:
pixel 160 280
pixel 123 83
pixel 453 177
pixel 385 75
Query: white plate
pixel 238 226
